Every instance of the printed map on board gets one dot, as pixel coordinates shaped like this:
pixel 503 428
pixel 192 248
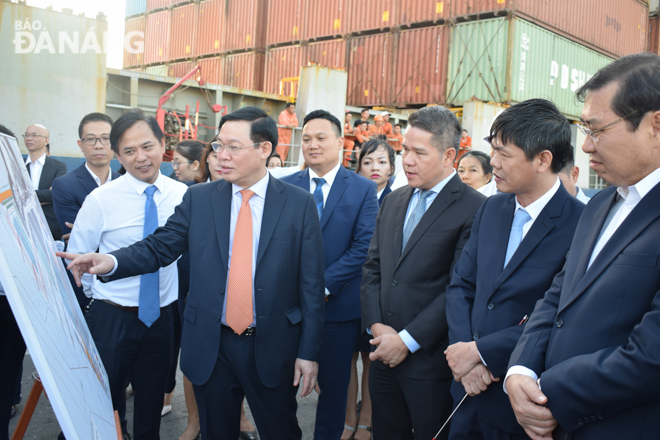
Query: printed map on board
pixel 46 309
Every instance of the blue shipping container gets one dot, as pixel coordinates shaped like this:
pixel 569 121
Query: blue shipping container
pixel 135 7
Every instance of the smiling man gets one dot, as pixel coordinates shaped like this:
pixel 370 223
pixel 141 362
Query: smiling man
pixel 420 232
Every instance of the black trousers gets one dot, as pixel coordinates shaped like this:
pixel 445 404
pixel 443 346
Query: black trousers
pixel 234 376
pixel 124 344
pixel 176 322
pixel 12 351
pixel 401 404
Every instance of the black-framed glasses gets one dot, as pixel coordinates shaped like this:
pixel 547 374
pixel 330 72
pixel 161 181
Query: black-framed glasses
pixel 592 133
pixel 176 163
pixel 33 135
pixel 90 141
pixel 232 149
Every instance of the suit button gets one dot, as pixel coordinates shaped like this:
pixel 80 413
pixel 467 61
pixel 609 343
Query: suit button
pixel 222 291
pixel 217 319
pixel 475 336
pixel 491 306
pixel 394 283
pixel 559 323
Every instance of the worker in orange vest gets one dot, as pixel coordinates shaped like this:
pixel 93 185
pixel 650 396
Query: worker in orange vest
pixel 348 144
pixel 377 129
pixel 287 121
pixel 397 144
pixel 387 127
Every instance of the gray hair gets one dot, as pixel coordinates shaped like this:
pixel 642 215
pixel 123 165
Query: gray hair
pixel 442 123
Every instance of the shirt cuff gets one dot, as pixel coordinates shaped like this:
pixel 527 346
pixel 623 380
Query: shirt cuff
pixel 327 292
pixel 114 269
pixel 519 369
pixel 481 357
pixel 369 331
pixel 412 345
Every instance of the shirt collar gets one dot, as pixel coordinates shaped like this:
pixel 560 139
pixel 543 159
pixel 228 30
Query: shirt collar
pixel 139 186
pixel 440 186
pixel 41 160
pixel 96 178
pixel 637 191
pixel 534 209
pixel 330 175
pixel 258 188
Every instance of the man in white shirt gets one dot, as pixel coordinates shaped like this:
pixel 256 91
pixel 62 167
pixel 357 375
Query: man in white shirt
pixel 586 366
pixel 129 319
pixel 569 177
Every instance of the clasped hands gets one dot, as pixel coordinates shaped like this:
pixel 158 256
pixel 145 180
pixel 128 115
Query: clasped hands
pixel 468 369
pixel 390 347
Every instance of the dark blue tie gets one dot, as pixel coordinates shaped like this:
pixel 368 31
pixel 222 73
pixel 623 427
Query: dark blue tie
pixel 149 302
pixel 318 194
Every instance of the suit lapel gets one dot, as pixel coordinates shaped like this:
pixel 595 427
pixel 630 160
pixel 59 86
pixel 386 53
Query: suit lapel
pixel 46 172
pixel 85 179
pixel 221 206
pixel 502 228
pixel 399 221
pixel 272 209
pixel 336 191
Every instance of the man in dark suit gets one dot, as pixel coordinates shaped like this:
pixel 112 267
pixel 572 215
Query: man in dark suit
pixel 518 244
pixel 43 171
pixel 586 366
pixel 259 338
pixel 420 232
pixel 347 205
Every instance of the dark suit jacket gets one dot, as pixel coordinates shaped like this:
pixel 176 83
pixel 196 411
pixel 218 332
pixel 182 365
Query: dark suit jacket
pixel 386 191
pixel 347 224
pixel 407 290
pixel 288 283
pixel 593 340
pixel 69 193
pixel 486 301
pixel 52 169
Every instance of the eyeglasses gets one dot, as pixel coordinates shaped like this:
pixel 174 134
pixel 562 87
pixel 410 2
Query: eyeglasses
pixel 33 135
pixel 592 133
pixel 91 141
pixel 232 149
pixel 176 163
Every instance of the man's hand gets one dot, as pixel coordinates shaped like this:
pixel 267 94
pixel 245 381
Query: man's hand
pixel 527 401
pixel 391 349
pixel 92 263
pixel 309 370
pixel 65 237
pixel 379 329
pixel 477 380
pixel 462 357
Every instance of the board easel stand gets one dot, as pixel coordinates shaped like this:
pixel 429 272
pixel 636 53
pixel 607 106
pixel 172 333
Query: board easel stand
pixel 31 405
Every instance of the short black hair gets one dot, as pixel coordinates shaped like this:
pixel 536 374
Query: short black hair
pixel 482 158
pixel 275 156
pixel 322 114
pixel 441 123
pixel 570 162
pixel 398 125
pixel 190 149
pixel 262 129
pixel 372 145
pixel 639 89
pixel 7 131
pixel 364 110
pixel 129 119
pixel 465 130
pixel 289 104
pixel 534 126
pixel 92 117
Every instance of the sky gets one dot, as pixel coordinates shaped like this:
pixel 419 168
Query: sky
pixel 114 10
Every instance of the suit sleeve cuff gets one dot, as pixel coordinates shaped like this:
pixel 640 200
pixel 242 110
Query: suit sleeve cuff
pixel 412 345
pixel 519 369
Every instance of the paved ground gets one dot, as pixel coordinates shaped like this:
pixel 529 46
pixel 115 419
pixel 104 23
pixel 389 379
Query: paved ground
pixel 44 425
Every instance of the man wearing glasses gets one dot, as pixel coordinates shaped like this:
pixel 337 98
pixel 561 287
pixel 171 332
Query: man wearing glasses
pixel 43 170
pixel 587 364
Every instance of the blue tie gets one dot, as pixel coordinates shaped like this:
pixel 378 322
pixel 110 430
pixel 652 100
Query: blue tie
pixel 318 194
pixel 415 217
pixel 149 302
pixel 516 235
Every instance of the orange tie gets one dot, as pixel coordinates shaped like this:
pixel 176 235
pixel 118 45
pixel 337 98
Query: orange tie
pixel 239 289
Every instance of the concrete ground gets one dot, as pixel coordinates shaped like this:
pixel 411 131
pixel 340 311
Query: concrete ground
pixel 44 426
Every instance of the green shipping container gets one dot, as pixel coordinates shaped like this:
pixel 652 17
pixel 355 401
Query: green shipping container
pixel 509 60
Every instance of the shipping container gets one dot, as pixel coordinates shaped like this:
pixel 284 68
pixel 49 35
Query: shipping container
pixel 134 31
pixel 654 31
pixel 211 69
pixel 182 33
pixel 244 70
pixel 331 53
pixel 153 5
pixel 210 28
pixel 369 70
pixel 420 71
pixel 156 39
pixel 135 7
pixel 370 15
pixel 326 19
pixel 157 70
pixel 509 60
pixel 411 12
pixel 282 62
pixel 285 21
pixel 245 24
pixel 179 70
pixel 615 26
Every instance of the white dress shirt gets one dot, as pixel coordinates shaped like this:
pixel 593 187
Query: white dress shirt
pixel 96 178
pixel 280 172
pixel 112 217
pixel 534 209
pixel 329 180
pixel 629 197
pixel 257 202
pixel 581 196
pixel 489 189
pixel 36 168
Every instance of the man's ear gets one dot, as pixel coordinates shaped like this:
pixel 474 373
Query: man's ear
pixel 575 173
pixel 545 160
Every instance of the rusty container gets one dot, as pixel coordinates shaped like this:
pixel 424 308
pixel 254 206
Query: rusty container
pixel 154 5
pixel 134 30
pixel 613 27
pixel 325 19
pixel 245 25
pixel 420 71
pixel 182 34
pixel 370 70
pixel 371 15
pixel 654 31
pixel 244 70
pixel 181 69
pixel 211 69
pixel 285 21
pixel 156 39
pixel 282 62
pixel 210 28
pixel 331 53
pixel 414 12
